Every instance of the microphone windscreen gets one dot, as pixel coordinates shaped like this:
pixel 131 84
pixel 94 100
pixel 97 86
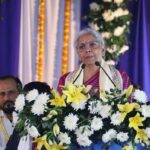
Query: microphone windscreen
pixel 83 66
pixel 97 63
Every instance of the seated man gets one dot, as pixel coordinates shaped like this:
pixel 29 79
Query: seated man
pixel 15 143
pixel 10 87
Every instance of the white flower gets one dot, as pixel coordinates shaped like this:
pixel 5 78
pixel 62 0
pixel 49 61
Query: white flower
pixel 111 62
pixel 123 49
pixel 112 49
pixel 31 95
pixel 106 35
pixel 105 138
pixel 116 118
pixel 64 138
pixel 50 142
pixel 94 6
pixel 126 12
pixel 145 109
pixel 94 106
pixel 96 123
pixel 109 135
pixel 38 109
pixel 119 30
pixel 84 141
pixel 15 118
pixel 120 12
pixel 81 105
pixel 147 130
pixel 140 96
pixel 94 26
pixel 42 98
pixel 56 129
pixel 118 2
pixel 108 15
pixel 83 131
pixel 70 122
pixel 107 0
pixel 20 102
pixel 122 137
pixel 105 111
pixel 128 22
pixel 33 131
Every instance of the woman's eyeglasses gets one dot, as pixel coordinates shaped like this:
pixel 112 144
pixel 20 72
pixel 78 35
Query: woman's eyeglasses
pixel 83 46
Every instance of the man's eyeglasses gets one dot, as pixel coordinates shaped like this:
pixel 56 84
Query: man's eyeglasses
pixel 83 46
pixel 10 93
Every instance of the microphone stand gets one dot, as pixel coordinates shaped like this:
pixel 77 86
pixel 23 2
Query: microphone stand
pixel 82 67
pixel 97 63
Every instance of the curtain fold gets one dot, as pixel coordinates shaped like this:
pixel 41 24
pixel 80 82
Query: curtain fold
pixel 9 36
pixel 137 60
pixel 53 39
pixel 26 53
pixel 51 25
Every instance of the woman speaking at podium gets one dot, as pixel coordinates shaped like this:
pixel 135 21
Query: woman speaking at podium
pixel 94 71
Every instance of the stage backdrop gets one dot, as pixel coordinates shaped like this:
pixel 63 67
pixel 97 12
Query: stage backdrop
pixel 19 35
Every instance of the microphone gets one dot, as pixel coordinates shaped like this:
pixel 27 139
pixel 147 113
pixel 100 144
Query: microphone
pixel 97 63
pixel 82 67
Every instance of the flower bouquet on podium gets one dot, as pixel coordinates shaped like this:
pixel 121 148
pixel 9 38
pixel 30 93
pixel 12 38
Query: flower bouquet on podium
pixel 77 119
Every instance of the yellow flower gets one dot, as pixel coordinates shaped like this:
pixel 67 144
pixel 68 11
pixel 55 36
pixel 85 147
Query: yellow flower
pixel 136 121
pixel 127 108
pixel 86 89
pixel 41 141
pixel 50 115
pixel 128 146
pixel 141 136
pixel 128 91
pixel 123 115
pixel 74 94
pixel 56 129
pixel 103 96
pixel 57 147
pixel 53 113
pixel 58 100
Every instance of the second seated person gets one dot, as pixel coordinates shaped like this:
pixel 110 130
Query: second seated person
pixel 90 47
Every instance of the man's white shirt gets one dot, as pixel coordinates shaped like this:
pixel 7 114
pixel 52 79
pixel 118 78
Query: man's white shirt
pixel 9 129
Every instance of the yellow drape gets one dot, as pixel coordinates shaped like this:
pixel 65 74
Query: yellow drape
pixel 2 127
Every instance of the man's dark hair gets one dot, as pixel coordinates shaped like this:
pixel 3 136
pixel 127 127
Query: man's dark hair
pixel 16 79
pixel 42 87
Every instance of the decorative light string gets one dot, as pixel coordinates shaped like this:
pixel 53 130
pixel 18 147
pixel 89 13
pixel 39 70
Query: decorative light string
pixel 66 36
pixel 40 49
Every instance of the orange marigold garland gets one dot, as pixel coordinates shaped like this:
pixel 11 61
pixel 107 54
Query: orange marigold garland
pixel 66 36
pixel 40 49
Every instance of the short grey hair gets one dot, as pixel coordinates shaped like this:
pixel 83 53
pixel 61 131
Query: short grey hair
pixel 92 32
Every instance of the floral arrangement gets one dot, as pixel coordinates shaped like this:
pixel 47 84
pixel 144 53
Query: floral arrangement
pixel 112 18
pixel 58 121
